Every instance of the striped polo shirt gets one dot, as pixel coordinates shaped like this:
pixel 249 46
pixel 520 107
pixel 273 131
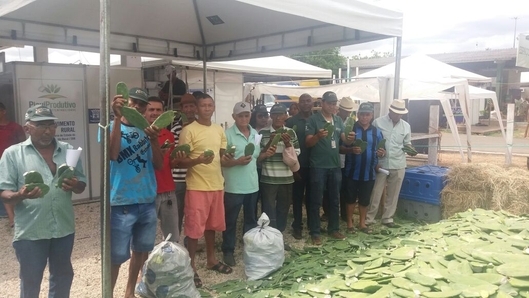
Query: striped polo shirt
pixel 274 170
pixel 179 174
pixel 361 167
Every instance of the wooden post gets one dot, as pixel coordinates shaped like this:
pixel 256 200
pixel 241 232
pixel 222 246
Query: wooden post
pixel 510 132
pixel 433 143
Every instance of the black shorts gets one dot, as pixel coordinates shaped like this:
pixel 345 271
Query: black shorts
pixel 359 191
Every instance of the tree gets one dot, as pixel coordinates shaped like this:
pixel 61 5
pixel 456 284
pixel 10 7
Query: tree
pixel 374 55
pixel 328 59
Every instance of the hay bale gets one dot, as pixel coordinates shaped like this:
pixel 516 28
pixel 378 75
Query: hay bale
pixel 455 201
pixel 485 186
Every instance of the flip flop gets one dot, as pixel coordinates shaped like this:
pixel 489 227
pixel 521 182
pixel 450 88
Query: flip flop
pixel 366 230
pixel 197 280
pixel 351 231
pixel 221 268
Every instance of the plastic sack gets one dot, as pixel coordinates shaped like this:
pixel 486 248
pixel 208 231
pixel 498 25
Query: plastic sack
pixel 167 273
pixel 264 251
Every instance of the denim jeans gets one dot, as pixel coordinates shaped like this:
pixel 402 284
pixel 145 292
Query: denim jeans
pixel 132 227
pixel 331 179
pixel 276 203
pixel 33 255
pixel 232 208
pixel 300 194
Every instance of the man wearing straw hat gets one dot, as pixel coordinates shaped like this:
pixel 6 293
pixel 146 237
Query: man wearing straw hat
pixel 397 133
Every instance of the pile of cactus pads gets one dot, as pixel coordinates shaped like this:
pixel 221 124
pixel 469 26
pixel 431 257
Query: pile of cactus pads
pixel 477 253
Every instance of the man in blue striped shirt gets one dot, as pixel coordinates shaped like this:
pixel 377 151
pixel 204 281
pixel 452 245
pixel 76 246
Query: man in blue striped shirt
pixel 360 166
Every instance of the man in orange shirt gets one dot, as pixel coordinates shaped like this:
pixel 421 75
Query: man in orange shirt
pixel 11 133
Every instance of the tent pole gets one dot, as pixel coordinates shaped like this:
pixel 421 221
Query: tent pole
pixel 204 67
pixel 104 81
pixel 396 90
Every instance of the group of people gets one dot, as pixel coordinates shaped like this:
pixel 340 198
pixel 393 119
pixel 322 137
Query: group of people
pixel 309 159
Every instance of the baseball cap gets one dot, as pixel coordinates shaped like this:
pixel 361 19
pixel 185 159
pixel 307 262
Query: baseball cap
pixel 138 93
pixel 329 96
pixel 39 113
pixel 278 109
pixel 260 109
pixel 366 107
pixel 241 107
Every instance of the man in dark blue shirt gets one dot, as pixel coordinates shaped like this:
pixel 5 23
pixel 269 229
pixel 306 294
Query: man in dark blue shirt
pixel 360 166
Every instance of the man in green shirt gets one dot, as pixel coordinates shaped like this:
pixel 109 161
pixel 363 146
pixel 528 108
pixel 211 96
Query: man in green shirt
pixel 324 131
pixel 300 189
pixel 44 220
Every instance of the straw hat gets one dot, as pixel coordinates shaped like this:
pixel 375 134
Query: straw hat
pixel 347 104
pixel 398 106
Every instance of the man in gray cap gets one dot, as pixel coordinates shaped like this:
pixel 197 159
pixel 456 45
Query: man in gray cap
pixel 397 133
pixel 44 216
pixel 277 176
pixel 324 132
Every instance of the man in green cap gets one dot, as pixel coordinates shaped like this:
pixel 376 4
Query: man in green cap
pixel 324 131
pixel 134 154
pixel 44 216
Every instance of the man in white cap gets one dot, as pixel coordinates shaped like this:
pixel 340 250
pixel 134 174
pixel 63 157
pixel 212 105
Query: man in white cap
pixel 397 133
pixel 241 184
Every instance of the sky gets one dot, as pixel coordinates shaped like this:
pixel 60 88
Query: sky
pixel 434 26
pixel 430 27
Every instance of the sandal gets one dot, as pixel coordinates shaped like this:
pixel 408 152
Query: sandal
pixel 351 230
pixel 197 280
pixel 221 268
pixel 366 230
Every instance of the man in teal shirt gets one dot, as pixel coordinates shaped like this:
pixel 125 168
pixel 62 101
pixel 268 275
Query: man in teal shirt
pixel 240 179
pixel 325 166
pixel 44 221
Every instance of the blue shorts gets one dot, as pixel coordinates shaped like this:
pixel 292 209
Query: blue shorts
pixel 131 226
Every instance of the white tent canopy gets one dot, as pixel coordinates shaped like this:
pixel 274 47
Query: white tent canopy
pixel 196 29
pixel 372 89
pixel 218 30
pixel 423 67
pixel 274 66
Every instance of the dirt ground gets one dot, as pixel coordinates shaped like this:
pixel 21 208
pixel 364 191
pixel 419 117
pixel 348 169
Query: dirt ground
pixel 86 253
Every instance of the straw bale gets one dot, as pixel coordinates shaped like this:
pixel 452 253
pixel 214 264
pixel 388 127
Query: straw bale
pixel 485 186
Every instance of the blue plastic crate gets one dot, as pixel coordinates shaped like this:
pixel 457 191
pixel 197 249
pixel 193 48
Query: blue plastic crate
pixel 424 184
pixel 419 210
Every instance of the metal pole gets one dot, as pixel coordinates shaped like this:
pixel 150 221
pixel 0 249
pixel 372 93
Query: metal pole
pixel 205 68
pixel 397 69
pixel 348 70
pixel 514 38
pixel 104 81
pixel 170 100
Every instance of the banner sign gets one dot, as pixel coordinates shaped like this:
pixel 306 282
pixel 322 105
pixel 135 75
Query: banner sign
pixel 63 97
pixel 522 54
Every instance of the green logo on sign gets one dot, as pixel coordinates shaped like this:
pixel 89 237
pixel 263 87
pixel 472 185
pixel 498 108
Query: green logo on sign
pixel 52 91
